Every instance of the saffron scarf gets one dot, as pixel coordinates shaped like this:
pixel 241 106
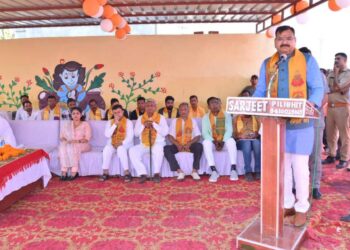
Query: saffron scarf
pixel 240 124
pixel 97 116
pixel 297 78
pixel 166 113
pixel 109 113
pixel 184 136
pixel 119 133
pixel 218 127
pixel 56 112
pixel 199 113
pixel 145 133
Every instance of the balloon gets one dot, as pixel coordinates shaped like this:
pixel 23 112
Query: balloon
pixel 299 6
pixel 333 5
pixel 302 18
pixel 102 2
pixel 127 28
pixel 270 32
pixel 116 19
pixel 99 13
pixel 120 34
pixel 343 3
pixel 276 18
pixel 107 25
pixel 122 24
pixel 91 7
pixel 108 11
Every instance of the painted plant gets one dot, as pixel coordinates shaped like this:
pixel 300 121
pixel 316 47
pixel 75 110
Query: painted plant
pixel 10 94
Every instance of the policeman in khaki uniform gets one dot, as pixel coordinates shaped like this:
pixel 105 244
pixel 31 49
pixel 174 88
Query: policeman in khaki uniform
pixel 338 111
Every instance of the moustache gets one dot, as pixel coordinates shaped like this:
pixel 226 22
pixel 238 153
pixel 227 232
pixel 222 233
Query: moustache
pixel 285 45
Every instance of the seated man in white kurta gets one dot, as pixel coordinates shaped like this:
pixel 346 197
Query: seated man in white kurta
pixel 6 132
pixel 28 113
pixel 217 132
pixel 152 128
pixel 120 134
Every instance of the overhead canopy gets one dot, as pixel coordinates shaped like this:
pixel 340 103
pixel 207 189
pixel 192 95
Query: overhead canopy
pixel 48 13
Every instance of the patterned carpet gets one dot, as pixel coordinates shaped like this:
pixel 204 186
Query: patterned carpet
pixel 87 214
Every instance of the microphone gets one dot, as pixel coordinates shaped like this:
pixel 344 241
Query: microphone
pixel 282 58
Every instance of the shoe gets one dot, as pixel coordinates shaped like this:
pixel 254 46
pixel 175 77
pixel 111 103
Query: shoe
pixel 316 194
pixel 341 164
pixel 328 160
pixel 71 178
pixel 127 178
pixel 181 176
pixel 156 178
pixel 195 176
pixel 233 175
pixel 345 218
pixel 63 177
pixel 300 219
pixel 288 212
pixel 214 176
pixel 143 179
pixel 257 176
pixel 337 157
pixel 249 177
pixel 103 177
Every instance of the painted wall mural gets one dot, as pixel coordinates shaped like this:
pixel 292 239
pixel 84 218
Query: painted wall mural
pixel 70 80
pixel 10 94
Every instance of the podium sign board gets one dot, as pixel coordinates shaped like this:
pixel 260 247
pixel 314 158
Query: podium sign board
pixel 275 107
pixel 269 231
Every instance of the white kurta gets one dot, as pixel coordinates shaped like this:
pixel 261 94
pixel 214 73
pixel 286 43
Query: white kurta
pixel 109 150
pixel 23 115
pixel 6 132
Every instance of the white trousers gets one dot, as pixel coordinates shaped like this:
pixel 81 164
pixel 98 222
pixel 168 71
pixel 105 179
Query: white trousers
pixel 297 166
pixel 138 151
pixel 122 155
pixel 229 146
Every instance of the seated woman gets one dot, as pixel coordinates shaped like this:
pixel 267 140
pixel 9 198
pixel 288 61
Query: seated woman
pixel 246 134
pixel 75 137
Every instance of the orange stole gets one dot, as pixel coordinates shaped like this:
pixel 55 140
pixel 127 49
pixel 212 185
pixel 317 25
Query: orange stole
pixel 185 136
pixel 97 116
pixel 119 133
pixel 173 113
pixel 145 133
pixel 56 111
pixel 218 128
pixel 297 78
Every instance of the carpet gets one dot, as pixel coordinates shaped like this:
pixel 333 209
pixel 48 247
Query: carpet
pixel 88 214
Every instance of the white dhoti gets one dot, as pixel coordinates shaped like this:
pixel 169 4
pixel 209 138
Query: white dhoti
pixel 229 146
pixel 122 155
pixel 297 166
pixel 138 151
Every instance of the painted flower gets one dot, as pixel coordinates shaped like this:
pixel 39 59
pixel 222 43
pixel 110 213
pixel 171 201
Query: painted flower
pixel 62 61
pixel 46 71
pixel 17 79
pixel 157 74
pixel 111 85
pixel 132 74
pixel 163 90
pixel 98 66
pixel 29 82
pixel 121 74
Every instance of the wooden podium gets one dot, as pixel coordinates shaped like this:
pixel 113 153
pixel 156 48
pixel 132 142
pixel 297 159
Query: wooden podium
pixel 269 231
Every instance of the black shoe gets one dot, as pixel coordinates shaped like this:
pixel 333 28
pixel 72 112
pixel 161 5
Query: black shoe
pixel 316 194
pixel 328 160
pixel 249 177
pixel 143 179
pixel 63 177
pixel 342 164
pixel 257 176
pixel 345 218
pixel 127 178
pixel 156 178
pixel 103 177
pixel 71 178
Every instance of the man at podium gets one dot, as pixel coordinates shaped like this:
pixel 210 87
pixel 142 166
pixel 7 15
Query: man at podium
pixel 298 76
